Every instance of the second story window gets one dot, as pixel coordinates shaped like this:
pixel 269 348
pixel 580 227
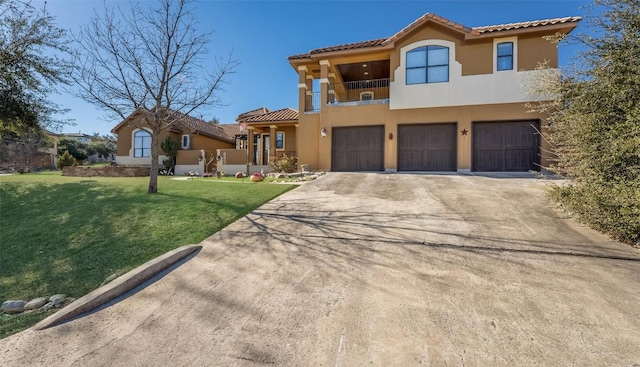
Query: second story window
pixel 505 56
pixel 428 64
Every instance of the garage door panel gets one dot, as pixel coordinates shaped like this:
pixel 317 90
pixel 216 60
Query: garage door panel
pixel 427 147
pixel 490 160
pixel 358 148
pixel 505 146
pixel 518 160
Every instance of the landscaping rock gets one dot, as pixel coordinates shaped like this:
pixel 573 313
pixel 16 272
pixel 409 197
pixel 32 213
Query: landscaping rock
pixel 256 177
pixel 57 300
pixel 13 306
pixel 36 303
pixel 47 306
pixel 240 175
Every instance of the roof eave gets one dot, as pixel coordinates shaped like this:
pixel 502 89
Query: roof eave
pixel 351 52
pixel 568 26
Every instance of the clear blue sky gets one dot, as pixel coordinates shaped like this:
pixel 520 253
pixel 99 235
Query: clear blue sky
pixel 262 34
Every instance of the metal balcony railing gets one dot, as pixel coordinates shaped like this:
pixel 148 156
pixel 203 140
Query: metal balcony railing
pixel 312 102
pixel 357 91
pixel 354 92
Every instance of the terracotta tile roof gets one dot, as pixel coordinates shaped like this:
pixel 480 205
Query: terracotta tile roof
pixel 184 121
pixel 475 31
pixel 232 129
pixel 346 46
pixel 201 127
pixel 529 24
pixel 436 18
pixel 285 114
pixel 257 111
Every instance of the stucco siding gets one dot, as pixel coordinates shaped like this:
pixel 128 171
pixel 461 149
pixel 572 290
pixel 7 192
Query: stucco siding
pixel 534 50
pixel 463 116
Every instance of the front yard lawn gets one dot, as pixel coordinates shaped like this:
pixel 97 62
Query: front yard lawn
pixel 68 234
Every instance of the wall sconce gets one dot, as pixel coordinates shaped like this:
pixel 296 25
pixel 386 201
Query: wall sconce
pixel 390 136
pixel 323 132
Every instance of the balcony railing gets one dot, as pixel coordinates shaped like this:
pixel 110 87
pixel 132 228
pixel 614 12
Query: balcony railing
pixel 356 92
pixel 359 91
pixel 312 102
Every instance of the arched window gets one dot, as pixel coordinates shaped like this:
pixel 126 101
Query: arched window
pixel 428 64
pixel 141 144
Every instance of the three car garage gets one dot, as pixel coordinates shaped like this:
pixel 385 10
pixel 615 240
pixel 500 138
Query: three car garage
pixel 496 146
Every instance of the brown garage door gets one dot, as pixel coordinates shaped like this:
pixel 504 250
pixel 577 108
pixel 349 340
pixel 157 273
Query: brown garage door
pixel 427 147
pixel 357 148
pixel 506 146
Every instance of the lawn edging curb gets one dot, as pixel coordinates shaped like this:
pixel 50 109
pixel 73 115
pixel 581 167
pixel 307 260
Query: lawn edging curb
pixel 118 286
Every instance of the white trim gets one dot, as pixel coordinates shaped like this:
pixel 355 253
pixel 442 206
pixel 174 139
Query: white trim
pixel 310 76
pixel 302 68
pixel 143 161
pixel 302 85
pixel 514 40
pixel 324 81
pixel 182 144
pixel 368 92
pixel 325 62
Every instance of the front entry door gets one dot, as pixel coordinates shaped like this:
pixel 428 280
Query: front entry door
pixel 266 144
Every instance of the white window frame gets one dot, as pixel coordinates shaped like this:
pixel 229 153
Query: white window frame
pixel 284 145
pixel 188 142
pixel 133 143
pixel 496 41
pixel 367 92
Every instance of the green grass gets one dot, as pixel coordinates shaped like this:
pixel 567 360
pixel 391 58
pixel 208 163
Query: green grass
pixel 68 234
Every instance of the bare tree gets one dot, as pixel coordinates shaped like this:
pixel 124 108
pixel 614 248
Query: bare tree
pixel 149 59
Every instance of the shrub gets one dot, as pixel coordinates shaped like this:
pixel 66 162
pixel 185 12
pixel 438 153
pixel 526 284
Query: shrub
pixel 611 207
pixel 284 163
pixel 66 160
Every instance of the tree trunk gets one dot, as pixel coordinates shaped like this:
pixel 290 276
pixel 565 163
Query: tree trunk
pixel 153 174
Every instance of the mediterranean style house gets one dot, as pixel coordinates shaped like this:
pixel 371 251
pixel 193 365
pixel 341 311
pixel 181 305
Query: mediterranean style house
pixel 197 140
pixel 436 96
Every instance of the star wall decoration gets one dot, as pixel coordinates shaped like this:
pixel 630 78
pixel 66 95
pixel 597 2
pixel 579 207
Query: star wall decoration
pixel 464 131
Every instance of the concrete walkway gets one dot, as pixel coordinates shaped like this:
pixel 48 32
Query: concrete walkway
pixel 376 270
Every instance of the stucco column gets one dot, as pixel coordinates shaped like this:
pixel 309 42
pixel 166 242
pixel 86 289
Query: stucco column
pixel 302 88
pixel 297 140
pixel 465 140
pixel 272 141
pixel 250 144
pixel 331 97
pixel 309 94
pixel 324 83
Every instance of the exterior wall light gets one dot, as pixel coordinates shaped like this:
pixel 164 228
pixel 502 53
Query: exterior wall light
pixel 323 132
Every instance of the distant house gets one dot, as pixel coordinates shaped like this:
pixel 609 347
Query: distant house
pixel 79 136
pixel 435 96
pixel 198 141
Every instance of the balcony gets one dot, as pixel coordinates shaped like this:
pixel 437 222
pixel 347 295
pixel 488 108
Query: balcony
pixel 354 93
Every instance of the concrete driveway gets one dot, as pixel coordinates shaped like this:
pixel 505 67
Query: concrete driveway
pixel 376 270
